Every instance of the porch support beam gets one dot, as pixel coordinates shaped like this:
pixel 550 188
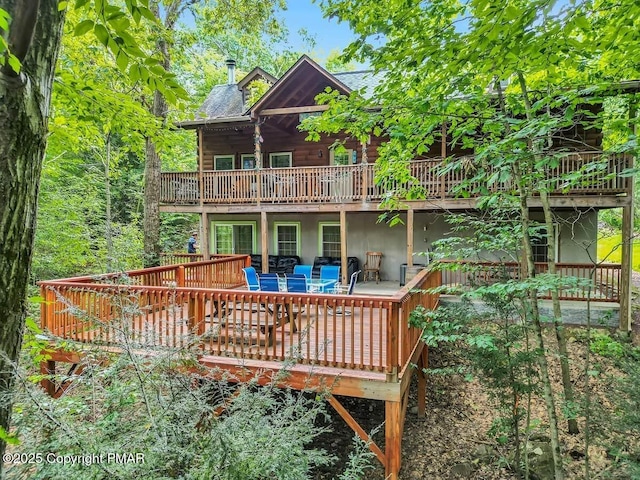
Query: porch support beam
pixel 410 237
pixel 343 247
pixel 627 240
pixel 264 237
pixel 204 243
pixel 201 167
pixel 257 147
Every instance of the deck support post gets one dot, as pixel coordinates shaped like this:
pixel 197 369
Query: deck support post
pixel 410 237
pixel 264 238
pixel 625 274
pixel 627 239
pixel 48 368
pixel 204 243
pixel 343 247
pixel 201 169
pixel 393 439
pixel 423 364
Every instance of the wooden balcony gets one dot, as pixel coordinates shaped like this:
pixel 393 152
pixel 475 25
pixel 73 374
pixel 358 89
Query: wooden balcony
pixel 355 183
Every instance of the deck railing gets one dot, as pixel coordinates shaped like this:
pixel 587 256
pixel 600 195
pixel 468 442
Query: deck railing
pixel 602 279
pixel 222 271
pixel 352 183
pixel 174 258
pixel 346 331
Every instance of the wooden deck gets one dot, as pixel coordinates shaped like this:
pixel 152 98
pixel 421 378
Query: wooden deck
pixel 350 184
pixel 354 345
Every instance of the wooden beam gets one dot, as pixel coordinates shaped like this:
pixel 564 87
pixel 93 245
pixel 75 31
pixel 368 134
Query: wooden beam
pixel 201 166
pixel 343 247
pixel 257 147
pixel 204 243
pixel 627 240
pixel 435 205
pixel 264 237
pixel 423 364
pixel 410 237
pixel 294 110
pixel 355 426
pixel 393 439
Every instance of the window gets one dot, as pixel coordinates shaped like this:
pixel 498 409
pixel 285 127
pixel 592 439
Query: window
pixel 540 244
pixel 234 237
pixel 248 161
pixel 280 160
pixel 342 156
pixel 223 162
pixel 287 238
pixel 330 239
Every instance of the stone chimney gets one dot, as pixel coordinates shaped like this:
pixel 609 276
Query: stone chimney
pixel 231 68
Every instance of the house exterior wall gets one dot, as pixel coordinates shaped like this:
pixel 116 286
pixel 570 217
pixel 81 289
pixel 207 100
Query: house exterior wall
pixel 576 238
pixel 238 141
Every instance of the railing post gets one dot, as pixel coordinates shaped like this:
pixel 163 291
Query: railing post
pixel 393 341
pixel 180 276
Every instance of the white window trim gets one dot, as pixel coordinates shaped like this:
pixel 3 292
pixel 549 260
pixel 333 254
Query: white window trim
pixel 273 154
pixel 348 151
pixel 275 235
pixel 214 224
pixel 220 157
pixel 244 156
pixel 321 226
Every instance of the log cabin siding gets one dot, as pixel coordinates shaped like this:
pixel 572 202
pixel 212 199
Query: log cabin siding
pixel 304 153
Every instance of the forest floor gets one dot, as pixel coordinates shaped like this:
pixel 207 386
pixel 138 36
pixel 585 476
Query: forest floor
pixel 453 440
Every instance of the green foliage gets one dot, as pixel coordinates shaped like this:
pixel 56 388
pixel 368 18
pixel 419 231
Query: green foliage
pixel 182 425
pixel 603 344
pixel 610 250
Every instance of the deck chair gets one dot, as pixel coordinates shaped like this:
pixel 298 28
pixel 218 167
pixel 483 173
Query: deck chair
pixel 330 272
pixel 346 290
pixel 372 266
pixel 268 282
pixel 304 270
pixel 251 279
pixel 296 283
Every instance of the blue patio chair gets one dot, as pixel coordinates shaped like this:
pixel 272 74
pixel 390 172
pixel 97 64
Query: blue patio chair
pixel 296 283
pixel 269 282
pixel 330 272
pixel 304 270
pixel 251 278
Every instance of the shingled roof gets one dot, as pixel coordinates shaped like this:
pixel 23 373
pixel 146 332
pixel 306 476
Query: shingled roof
pixel 225 101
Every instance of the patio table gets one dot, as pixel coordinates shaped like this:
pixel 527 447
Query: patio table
pixel 313 286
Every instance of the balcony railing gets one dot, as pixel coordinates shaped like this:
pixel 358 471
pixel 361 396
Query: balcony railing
pixel 588 282
pixel 354 183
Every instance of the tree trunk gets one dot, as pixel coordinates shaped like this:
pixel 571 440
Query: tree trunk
pixel 535 318
pixel 152 169
pixel 151 225
pixel 24 111
pixel 572 423
pixel 107 192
